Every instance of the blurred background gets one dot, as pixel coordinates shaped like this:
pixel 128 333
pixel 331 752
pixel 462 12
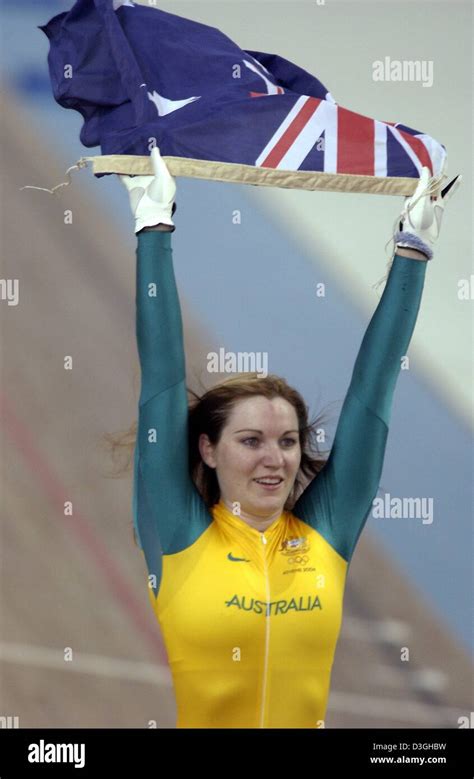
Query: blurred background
pixel 79 644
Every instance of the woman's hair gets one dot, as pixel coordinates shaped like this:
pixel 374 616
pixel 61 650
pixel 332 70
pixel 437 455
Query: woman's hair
pixel 209 413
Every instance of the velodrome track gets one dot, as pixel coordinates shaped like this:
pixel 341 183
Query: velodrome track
pixel 77 583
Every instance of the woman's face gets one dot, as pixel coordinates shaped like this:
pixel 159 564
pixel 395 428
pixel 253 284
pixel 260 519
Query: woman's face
pixel 260 440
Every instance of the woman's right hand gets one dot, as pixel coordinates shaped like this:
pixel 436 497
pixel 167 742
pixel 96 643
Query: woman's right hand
pixel 152 197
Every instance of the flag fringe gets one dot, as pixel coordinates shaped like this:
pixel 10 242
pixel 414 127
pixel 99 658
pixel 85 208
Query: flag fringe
pixel 236 173
pixel 140 165
pixel 82 163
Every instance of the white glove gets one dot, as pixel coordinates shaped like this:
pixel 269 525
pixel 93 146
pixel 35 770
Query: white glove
pixel 420 220
pixel 151 197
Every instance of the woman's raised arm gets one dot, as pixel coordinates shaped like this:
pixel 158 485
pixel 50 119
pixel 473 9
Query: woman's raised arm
pixel 339 499
pixel 168 511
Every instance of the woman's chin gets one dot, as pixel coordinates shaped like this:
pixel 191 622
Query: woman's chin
pixel 268 501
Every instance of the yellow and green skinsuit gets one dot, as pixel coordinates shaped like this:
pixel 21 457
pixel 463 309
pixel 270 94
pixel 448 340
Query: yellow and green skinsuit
pixel 251 620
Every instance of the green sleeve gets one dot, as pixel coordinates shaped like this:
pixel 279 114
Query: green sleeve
pixel 168 511
pixel 338 500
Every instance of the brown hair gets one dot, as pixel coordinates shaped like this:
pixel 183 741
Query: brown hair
pixel 209 413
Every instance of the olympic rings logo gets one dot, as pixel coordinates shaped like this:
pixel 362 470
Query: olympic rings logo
pixel 300 560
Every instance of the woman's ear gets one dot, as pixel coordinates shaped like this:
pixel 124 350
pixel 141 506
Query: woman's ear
pixel 206 450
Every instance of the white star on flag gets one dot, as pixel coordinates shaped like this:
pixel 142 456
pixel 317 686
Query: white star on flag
pixel 118 3
pixel 272 88
pixel 165 106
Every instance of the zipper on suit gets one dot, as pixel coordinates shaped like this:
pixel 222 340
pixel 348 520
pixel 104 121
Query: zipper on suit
pixel 267 634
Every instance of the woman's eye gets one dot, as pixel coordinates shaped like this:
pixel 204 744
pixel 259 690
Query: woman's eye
pixel 290 441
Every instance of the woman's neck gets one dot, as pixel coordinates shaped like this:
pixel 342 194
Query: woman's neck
pixel 255 521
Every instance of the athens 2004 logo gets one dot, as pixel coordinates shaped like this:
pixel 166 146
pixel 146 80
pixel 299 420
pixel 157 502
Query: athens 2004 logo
pixel 294 549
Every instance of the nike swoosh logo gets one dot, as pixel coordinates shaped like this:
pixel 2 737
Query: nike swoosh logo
pixel 166 106
pixel 237 559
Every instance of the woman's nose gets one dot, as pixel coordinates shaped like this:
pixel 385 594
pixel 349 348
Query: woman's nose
pixel 273 456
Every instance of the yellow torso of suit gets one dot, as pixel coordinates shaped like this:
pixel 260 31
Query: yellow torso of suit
pixel 251 621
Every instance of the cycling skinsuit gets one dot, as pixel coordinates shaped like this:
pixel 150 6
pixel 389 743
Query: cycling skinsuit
pixel 251 620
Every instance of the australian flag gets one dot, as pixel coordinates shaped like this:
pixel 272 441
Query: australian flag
pixel 142 77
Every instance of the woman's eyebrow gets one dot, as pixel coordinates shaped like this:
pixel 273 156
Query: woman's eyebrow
pixel 252 430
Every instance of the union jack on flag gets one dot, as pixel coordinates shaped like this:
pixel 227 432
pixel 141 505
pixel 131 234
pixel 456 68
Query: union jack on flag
pixel 142 77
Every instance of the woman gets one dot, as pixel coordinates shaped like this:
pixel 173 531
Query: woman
pixel 249 593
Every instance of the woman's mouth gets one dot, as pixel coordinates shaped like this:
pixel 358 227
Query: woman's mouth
pixel 269 483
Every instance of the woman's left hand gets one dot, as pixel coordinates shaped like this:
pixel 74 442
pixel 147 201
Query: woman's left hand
pixel 422 214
